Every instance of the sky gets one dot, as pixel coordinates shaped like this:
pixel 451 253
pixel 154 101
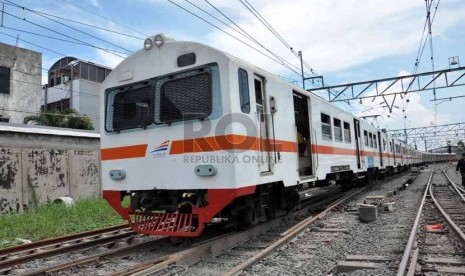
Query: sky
pixel 343 41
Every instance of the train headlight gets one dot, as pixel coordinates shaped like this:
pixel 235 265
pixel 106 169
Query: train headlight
pixel 148 43
pixel 159 40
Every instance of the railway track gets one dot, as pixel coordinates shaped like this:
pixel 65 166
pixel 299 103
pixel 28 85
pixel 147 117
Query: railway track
pixel 234 253
pixel 437 241
pixel 16 255
pixel 159 259
pixel 226 254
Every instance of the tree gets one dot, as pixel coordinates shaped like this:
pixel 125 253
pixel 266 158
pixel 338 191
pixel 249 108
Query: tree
pixel 68 118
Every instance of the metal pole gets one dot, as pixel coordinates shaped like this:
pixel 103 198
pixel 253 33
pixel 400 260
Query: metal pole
pixel 426 147
pixel 71 88
pixel 302 69
pixel 46 97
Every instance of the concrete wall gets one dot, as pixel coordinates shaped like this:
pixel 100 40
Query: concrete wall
pixel 39 164
pixel 25 82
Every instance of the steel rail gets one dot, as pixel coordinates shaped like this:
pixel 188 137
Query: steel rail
pixel 413 233
pixel 212 246
pixel 94 258
pixel 291 233
pixel 40 243
pixel 455 227
pixel 50 247
pixel 456 188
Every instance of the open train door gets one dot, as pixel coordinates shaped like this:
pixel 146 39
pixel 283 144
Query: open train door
pixel 303 134
pixel 380 149
pixel 357 142
pixel 262 125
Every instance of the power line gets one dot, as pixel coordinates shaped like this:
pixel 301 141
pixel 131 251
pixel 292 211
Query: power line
pixel 42 47
pixel 65 35
pixel 274 32
pixel 101 16
pixel 54 87
pixel 243 33
pixel 60 39
pixel 90 25
pixel 238 39
pixel 66 25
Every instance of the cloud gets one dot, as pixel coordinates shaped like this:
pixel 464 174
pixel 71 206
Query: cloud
pixel 334 35
pixel 107 59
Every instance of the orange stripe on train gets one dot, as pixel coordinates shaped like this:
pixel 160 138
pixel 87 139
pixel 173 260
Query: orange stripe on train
pixel 133 151
pixel 231 142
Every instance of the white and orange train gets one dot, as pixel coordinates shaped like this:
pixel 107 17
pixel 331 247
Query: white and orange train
pixel 195 136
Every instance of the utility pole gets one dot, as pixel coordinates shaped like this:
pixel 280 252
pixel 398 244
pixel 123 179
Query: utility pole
pixel 429 3
pixel 302 69
pixel 45 96
pixel 71 88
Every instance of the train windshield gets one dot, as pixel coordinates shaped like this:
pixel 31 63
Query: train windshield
pixel 176 97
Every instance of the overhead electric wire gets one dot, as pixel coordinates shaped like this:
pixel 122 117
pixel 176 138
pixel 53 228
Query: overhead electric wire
pixel 68 26
pixel 243 33
pixel 39 46
pixel 54 87
pixel 101 16
pixel 274 32
pixel 65 35
pixel 238 39
pixel 59 39
pixel 80 23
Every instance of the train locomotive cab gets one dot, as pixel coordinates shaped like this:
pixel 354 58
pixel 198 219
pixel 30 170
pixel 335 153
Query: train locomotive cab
pixel 189 140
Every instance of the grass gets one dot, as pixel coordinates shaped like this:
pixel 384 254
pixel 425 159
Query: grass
pixel 53 220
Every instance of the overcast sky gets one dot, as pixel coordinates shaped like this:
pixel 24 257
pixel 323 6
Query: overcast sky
pixel 345 41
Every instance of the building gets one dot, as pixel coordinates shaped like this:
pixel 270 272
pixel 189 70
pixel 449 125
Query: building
pixel 75 83
pixel 20 83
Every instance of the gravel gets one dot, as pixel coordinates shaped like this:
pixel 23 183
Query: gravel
pixel 386 236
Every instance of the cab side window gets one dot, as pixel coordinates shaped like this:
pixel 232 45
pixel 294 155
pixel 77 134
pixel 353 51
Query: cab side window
pixel 244 90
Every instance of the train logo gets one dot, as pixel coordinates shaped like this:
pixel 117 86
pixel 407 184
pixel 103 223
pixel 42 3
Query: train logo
pixel 161 150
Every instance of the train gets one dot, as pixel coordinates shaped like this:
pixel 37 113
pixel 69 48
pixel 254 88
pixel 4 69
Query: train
pixel 193 136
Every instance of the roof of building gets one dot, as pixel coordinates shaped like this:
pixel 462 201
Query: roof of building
pixel 64 62
pixel 34 129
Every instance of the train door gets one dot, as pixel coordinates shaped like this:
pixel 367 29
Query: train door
pixel 380 147
pixel 357 142
pixel 394 151
pixel 303 134
pixel 262 125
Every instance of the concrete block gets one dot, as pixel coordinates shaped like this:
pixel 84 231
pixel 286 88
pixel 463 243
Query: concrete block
pixel 367 213
pixel 370 258
pixel 451 270
pixel 444 261
pixel 389 206
pixel 348 266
